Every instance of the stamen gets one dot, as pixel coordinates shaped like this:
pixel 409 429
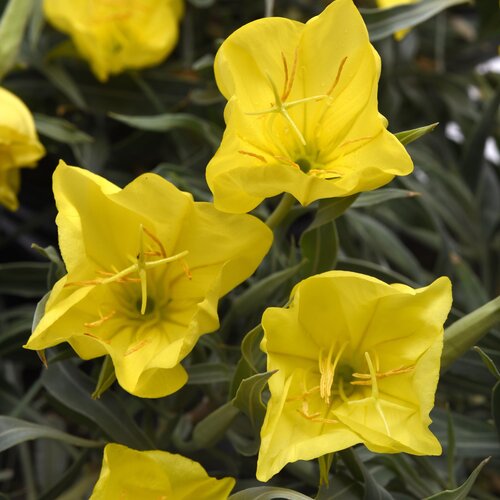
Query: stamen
pixel 100 321
pixel 286 160
pixel 163 253
pixel 288 89
pixel 141 269
pixel 337 78
pixel 285 85
pixel 137 347
pixel 327 370
pixel 390 373
pixel 255 155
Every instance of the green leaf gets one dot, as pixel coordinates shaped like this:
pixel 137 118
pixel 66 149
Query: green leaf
pixel 73 389
pixel 57 269
pixel 107 377
pixel 170 121
pixel 208 373
pixel 382 23
pixel 462 491
pixel 370 198
pixel 320 247
pixel 212 428
pixel 24 279
pixel 472 157
pixel 14 431
pixel 495 406
pixel 468 331
pixel 60 130
pixel 474 438
pixel 63 81
pixel 268 493
pixel 330 210
pixel 407 136
pixel 250 348
pixel 12 26
pixel 488 362
pixel 266 292
pixel 249 398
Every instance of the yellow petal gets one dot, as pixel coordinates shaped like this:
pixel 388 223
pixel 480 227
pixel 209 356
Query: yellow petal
pixel 118 35
pixel 151 475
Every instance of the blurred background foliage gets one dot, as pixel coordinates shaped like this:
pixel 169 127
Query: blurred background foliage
pixel 444 219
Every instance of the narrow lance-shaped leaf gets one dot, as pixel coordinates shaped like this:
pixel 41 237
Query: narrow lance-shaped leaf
pixel 12 26
pixel 468 331
pixel 460 493
pixel 14 431
pixel 382 23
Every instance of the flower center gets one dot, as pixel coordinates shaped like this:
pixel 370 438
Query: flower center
pixel 338 379
pixel 146 260
pixel 150 305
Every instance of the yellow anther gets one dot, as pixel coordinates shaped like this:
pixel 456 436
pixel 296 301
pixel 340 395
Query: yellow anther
pixel 289 81
pixel 163 253
pixel 337 78
pixel 137 347
pixel 255 155
pixel 100 321
pixel 141 269
pixel 327 370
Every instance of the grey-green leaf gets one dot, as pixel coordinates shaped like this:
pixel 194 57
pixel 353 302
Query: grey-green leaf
pixel 462 491
pixel 12 26
pixel 382 23
pixel 14 431
pixel 170 121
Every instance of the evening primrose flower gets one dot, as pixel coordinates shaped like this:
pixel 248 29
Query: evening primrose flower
pixel 115 35
pixel 302 113
pixel 155 475
pixel 19 146
pixel 358 362
pixel 146 267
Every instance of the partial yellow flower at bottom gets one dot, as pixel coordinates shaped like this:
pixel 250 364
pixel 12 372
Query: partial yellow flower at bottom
pixel 155 475
pixel 115 35
pixel 387 4
pixel 358 362
pixel 19 146
pixel 146 267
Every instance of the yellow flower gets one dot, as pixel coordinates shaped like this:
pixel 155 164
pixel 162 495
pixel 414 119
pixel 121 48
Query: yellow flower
pixel 155 475
pixel 19 146
pixel 146 268
pixel 302 113
pixel 358 362
pixel 387 4
pixel 115 35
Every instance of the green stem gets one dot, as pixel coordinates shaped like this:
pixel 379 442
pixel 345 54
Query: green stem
pixel 468 331
pixel 281 211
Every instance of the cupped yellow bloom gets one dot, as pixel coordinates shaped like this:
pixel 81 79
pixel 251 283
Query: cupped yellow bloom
pixel 19 146
pixel 155 475
pixel 115 35
pixel 146 268
pixel 302 114
pixel 358 362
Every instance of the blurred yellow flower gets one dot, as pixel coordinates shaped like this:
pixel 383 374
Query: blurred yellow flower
pixel 146 268
pixel 115 35
pixel 155 475
pixel 358 362
pixel 387 4
pixel 19 146
pixel 302 113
